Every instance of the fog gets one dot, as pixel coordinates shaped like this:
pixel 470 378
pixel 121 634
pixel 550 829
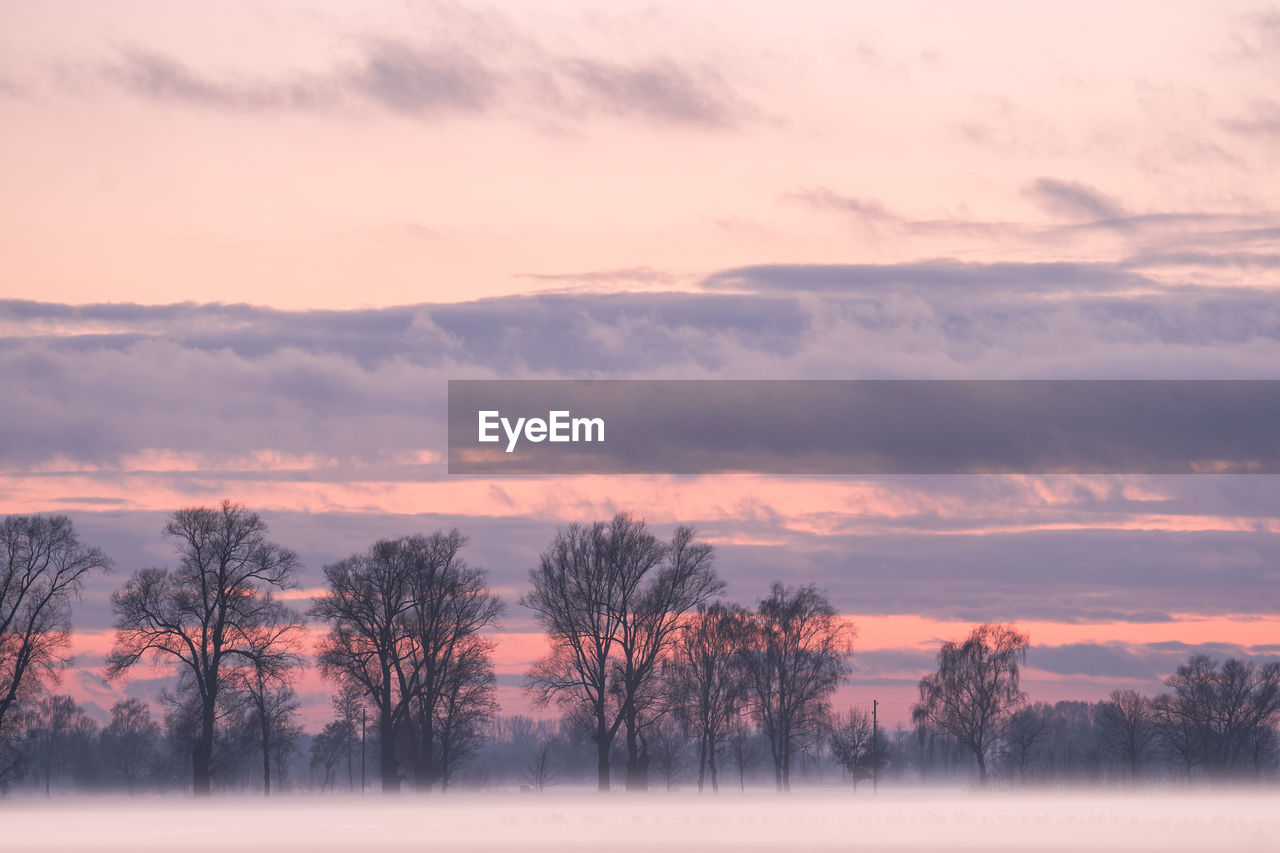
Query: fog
pixel 916 819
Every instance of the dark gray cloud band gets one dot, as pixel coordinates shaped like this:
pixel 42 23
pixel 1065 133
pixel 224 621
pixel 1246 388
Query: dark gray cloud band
pixel 96 382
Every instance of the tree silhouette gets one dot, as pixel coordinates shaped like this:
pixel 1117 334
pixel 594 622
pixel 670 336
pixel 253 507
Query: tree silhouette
pixel 405 621
pixel 610 596
pixel 43 566
pixel 974 689
pixel 708 681
pixel 1126 725
pixel 1217 709
pixel 129 742
pixel 209 616
pixel 857 746
pixel 797 653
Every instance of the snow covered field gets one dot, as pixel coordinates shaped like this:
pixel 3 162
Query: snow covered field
pixel 683 821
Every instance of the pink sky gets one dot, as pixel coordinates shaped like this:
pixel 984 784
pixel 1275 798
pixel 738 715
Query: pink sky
pixel 350 155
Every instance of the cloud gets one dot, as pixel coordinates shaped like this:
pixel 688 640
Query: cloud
pixel 154 75
pixel 97 382
pixel 1263 121
pixel 1148 662
pixel 410 80
pixel 936 275
pixel 867 211
pixel 1073 200
pixel 657 90
pixel 1111 660
pixel 464 70
pixel 623 275
pixel 415 81
pixel 1245 260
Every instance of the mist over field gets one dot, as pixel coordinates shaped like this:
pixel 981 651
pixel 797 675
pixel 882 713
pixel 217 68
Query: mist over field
pixel 915 820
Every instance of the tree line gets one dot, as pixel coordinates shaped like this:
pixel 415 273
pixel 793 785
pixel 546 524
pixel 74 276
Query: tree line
pixel 658 681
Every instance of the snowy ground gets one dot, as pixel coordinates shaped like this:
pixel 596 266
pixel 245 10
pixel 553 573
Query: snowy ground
pixel 684 821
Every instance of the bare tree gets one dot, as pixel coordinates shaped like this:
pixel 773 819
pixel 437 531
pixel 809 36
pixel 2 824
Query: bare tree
pixel 857 746
pixel 208 614
pixel 272 710
pixel 369 643
pixel 1127 727
pixel 975 688
pixel 348 706
pixel 798 652
pixel 665 747
pixel 708 680
pixel 743 748
pixel 450 658
pixel 327 750
pixel 1025 728
pixel 540 766
pixel 466 704
pixel 57 720
pixel 129 742
pixel 1217 708
pixel 265 682
pixel 405 627
pixel 43 566
pixel 611 595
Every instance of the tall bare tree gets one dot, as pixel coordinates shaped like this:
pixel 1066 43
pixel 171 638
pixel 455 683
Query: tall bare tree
pixel 798 652
pixel 450 658
pixel 857 745
pixel 58 721
pixel 208 615
pixel 1025 729
pixel 264 683
pixel 464 705
pixel 975 688
pixel 405 627
pixel 43 567
pixel 610 596
pixel 130 742
pixel 368 644
pixel 272 710
pixel 1127 728
pixel 1217 708
pixel 708 681
pixel 348 708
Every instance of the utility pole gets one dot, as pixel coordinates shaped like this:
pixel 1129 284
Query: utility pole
pixel 363 715
pixel 875 746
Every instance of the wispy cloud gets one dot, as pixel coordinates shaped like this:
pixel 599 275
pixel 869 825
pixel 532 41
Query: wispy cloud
pixel 659 90
pixel 459 75
pixel 1074 200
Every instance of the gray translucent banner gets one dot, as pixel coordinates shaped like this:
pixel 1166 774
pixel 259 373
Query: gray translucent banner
pixel 864 427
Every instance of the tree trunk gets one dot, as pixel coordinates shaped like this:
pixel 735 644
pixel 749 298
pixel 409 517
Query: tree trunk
pixel 266 757
pixel 637 774
pixel 711 761
pixel 441 770
pixel 602 754
pixel 387 752
pixel 982 767
pixel 427 770
pixel 351 777
pixel 202 754
pixel 702 760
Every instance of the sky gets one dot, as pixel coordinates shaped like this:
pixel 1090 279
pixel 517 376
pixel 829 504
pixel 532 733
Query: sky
pixel 244 248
